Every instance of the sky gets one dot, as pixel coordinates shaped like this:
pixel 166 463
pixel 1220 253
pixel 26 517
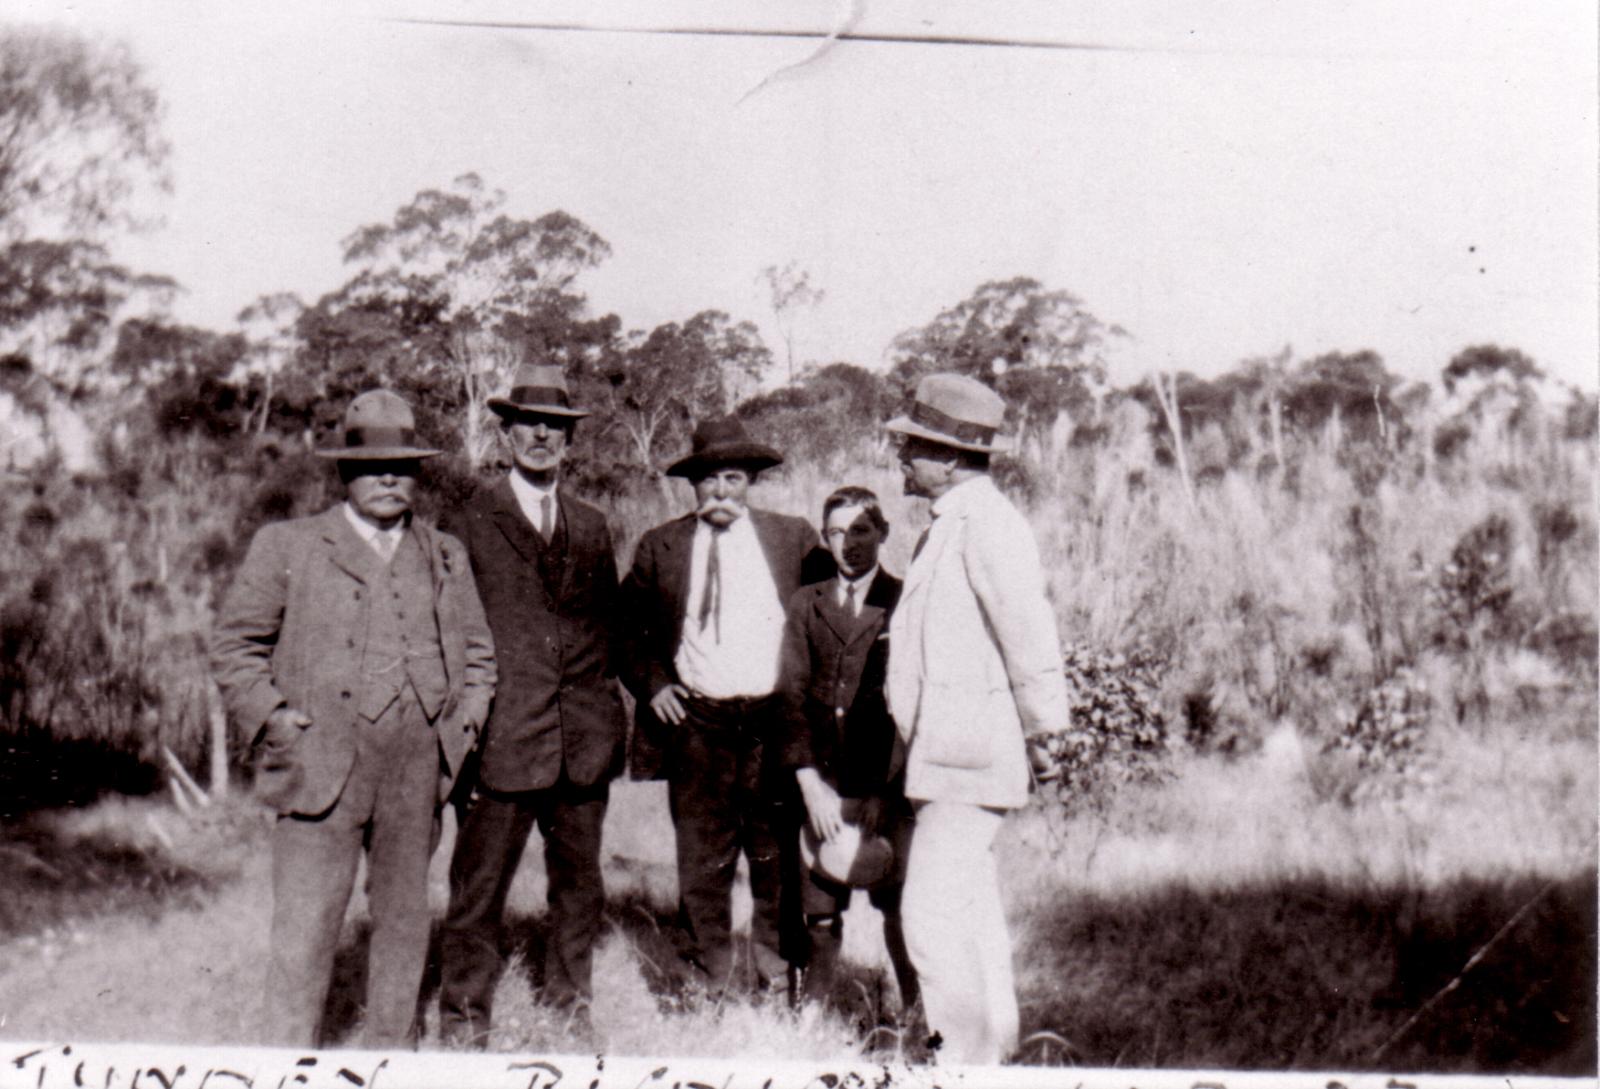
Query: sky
pixel 1221 179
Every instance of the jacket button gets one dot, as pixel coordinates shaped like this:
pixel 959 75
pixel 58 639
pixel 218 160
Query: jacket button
pixel 344 695
pixel 839 711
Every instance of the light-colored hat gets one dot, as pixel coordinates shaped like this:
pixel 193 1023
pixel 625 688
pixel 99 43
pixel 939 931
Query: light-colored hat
pixel 378 426
pixel 720 443
pixel 537 389
pixel 954 410
pixel 849 858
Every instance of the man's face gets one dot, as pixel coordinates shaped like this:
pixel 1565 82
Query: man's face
pixel 926 466
pixel 720 495
pixel 381 491
pixel 853 538
pixel 538 443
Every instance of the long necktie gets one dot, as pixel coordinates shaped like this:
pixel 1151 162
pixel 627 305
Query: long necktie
pixel 850 599
pixel 711 598
pixel 386 544
pixel 547 525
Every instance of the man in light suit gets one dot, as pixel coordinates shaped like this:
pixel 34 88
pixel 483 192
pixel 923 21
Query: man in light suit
pixel 352 646
pixel 705 600
pixel 544 564
pixel 974 669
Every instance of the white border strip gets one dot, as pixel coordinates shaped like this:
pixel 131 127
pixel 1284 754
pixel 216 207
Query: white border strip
pixel 168 1066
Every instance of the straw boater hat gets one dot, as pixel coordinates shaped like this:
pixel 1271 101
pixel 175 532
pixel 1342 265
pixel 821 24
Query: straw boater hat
pixel 537 390
pixel 954 410
pixel 378 426
pixel 720 443
pixel 849 858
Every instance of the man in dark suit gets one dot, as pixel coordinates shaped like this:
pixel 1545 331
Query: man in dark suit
pixel 545 568
pixel 704 601
pixel 838 737
pixel 352 645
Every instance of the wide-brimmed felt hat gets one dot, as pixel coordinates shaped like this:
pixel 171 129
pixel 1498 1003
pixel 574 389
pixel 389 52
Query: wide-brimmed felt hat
pixel 720 443
pixel 379 426
pixel 537 390
pixel 849 858
pixel 954 410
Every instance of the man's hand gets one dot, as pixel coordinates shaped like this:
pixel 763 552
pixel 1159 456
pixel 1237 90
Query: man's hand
pixel 1040 761
pixel 668 704
pixel 822 803
pixel 283 724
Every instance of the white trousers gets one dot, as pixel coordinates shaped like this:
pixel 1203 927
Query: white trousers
pixel 955 927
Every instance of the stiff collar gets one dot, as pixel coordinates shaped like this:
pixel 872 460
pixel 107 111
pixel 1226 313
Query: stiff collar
pixel 369 532
pixel 962 495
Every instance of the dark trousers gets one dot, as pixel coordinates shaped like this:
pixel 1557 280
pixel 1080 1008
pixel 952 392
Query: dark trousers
pixel 488 850
pixel 721 804
pixel 389 809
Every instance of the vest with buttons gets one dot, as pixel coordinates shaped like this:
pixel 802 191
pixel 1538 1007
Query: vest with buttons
pixel 402 645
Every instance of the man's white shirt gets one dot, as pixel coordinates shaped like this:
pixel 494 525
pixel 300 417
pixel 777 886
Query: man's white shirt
pixel 382 541
pixel 530 498
pixel 862 583
pixel 736 653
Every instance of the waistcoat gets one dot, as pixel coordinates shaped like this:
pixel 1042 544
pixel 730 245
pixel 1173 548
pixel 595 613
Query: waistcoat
pixel 402 634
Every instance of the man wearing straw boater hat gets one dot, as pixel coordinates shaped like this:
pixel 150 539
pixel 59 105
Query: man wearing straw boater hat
pixel 974 669
pixel 705 605
pixel 353 648
pixel 544 563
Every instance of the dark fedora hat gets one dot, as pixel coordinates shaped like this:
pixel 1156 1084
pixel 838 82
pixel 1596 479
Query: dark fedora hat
pixel 850 858
pixel 378 426
pixel 537 390
pixel 721 443
pixel 954 410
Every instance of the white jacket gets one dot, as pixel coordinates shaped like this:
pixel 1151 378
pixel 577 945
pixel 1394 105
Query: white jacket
pixel 974 658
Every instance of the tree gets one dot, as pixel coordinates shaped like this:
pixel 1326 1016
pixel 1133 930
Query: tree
pixel 79 134
pixel 1490 362
pixel 1042 349
pixel 790 292
pixel 479 278
pixel 676 375
pixel 1352 388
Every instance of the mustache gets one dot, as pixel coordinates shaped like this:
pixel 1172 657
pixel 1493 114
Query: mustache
pixel 726 506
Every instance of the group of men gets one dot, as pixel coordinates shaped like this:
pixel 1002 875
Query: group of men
pixel 837 728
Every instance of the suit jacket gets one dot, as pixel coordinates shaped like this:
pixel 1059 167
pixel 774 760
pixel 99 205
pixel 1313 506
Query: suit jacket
pixel 975 661
pixel 553 610
pixel 834 717
pixel 287 634
pixel 654 596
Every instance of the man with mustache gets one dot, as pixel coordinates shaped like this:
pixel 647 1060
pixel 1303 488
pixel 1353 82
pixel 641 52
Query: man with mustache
pixel 705 600
pixel 353 647
pixel 974 675
pixel 544 564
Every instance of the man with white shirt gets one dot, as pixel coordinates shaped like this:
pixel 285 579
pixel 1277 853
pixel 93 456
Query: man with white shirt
pixel 705 600
pixel 545 567
pixel 974 670
pixel 353 648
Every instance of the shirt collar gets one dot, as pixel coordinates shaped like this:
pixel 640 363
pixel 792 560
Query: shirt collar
pixel 366 530
pixel 526 490
pixel 862 582
pixel 960 495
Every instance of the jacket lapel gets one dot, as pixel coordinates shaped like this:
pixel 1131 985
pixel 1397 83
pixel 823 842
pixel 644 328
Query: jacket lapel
pixel 347 550
pixel 826 603
pixel 677 546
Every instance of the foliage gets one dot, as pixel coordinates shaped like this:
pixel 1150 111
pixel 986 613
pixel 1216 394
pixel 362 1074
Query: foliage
pixel 1118 733
pixel 79 133
pixel 1386 737
pixel 1041 348
pixel 824 415
pixel 790 291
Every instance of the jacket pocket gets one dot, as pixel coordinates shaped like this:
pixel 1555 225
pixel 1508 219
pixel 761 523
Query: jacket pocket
pixel 954 726
pixel 278 774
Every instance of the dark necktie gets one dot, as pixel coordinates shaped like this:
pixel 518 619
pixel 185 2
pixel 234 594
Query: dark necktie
pixel 711 598
pixel 922 540
pixel 547 523
pixel 850 598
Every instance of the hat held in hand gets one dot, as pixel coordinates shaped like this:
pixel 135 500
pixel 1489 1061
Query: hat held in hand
pixel 379 426
pixel 954 410
pixel 849 858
